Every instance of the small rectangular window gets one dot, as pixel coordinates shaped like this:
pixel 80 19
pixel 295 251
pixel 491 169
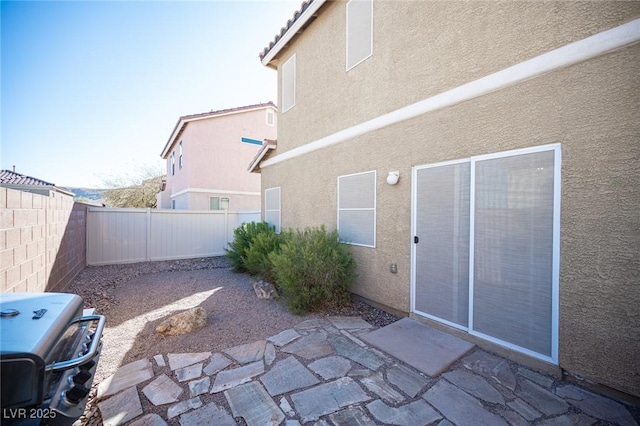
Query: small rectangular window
pixel 359 31
pixel 180 157
pixel 357 209
pixel 173 163
pixel 289 84
pixel 218 203
pixel 271 118
pixel 272 207
pixel 173 204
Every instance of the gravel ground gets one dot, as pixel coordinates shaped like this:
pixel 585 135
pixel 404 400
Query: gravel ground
pixel 136 297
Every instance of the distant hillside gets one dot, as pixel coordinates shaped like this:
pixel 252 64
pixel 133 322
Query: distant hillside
pixel 94 195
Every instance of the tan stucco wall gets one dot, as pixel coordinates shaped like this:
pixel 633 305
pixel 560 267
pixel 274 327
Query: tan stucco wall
pixel 214 158
pixel 422 48
pixel 592 109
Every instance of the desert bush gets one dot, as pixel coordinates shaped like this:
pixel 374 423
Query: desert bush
pixel 257 260
pixel 243 237
pixel 313 270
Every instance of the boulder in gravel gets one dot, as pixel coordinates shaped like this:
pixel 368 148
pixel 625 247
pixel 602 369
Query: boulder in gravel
pixel 265 290
pixel 184 322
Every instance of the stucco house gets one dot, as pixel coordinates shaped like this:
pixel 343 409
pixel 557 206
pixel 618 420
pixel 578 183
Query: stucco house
pixel 482 159
pixel 207 156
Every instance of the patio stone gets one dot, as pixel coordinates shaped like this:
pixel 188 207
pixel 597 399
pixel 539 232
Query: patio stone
pixel 199 387
pixel 284 337
pixel 349 323
pixel 183 406
pixel 286 407
pixel 121 408
pixel 327 398
pixel 269 354
pixel 159 360
pixel 525 410
pixel 360 372
pixel 252 402
pixel 475 385
pixel 149 420
pixel 291 423
pixel 162 390
pixel 188 373
pixel 250 352
pixel 491 366
pixel 596 405
pixel 210 414
pixel 406 380
pixel 312 323
pixel 513 418
pixel 286 376
pixel 183 360
pixel 126 376
pixel 218 362
pixel 353 338
pixel 459 407
pixel 348 349
pixel 331 367
pixel 541 399
pixel 544 381
pixel 424 348
pixel 314 345
pixel 351 416
pixel 377 385
pixel 229 378
pixel 568 420
pixel 417 413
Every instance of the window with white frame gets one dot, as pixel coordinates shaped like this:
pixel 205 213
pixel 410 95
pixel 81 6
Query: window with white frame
pixel 289 84
pixel 218 203
pixel 357 208
pixel 180 156
pixel 173 163
pixel 272 207
pixel 359 31
pixel 271 118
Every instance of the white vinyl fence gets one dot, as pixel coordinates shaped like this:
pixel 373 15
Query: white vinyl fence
pixel 117 235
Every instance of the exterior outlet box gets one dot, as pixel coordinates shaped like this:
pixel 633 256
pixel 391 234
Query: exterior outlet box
pixel 393 268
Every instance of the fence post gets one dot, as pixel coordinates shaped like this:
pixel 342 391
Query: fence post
pixel 226 229
pixel 148 250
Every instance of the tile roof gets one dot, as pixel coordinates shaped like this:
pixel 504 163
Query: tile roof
pixel 290 23
pixel 226 111
pixel 13 178
pixel 185 119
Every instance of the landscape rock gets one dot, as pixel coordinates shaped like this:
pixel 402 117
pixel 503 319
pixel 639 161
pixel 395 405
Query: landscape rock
pixel 184 322
pixel 265 290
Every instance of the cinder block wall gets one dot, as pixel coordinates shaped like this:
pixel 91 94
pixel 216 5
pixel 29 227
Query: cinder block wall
pixel 42 241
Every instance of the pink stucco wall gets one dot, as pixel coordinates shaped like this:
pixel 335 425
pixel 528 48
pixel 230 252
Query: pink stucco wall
pixel 215 161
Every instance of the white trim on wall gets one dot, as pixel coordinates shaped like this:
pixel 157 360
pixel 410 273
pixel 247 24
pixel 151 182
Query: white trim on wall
pixel 213 191
pixel 573 53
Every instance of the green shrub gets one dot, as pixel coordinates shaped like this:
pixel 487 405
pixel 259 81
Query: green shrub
pixel 313 270
pixel 243 237
pixel 257 256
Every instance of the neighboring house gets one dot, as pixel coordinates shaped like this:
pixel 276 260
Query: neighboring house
pixel 13 180
pixel 482 159
pixel 207 156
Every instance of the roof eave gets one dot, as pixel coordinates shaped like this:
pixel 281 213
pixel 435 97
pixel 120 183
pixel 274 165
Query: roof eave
pixel 254 166
pixel 300 23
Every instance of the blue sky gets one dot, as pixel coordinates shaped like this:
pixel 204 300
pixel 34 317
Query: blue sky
pixel 91 90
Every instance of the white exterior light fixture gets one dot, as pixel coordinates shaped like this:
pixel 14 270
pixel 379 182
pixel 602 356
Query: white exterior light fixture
pixel 393 177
